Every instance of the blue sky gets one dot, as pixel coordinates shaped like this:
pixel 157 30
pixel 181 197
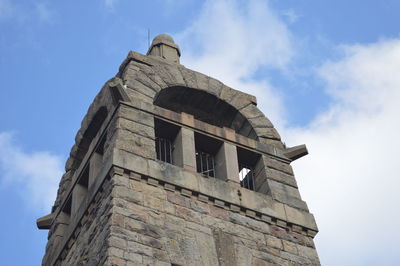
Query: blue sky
pixel 325 72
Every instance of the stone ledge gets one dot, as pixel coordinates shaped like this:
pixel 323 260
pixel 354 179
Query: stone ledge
pixel 248 203
pixel 235 208
pixel 214 189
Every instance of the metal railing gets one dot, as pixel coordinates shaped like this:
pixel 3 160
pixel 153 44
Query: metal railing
pixel 164 150
pixel 246 177
pixel 205 163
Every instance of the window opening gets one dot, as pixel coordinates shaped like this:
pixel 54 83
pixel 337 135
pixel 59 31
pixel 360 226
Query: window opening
pixel 247 161
pixel 246 176
pixel 205 163
pixel 165 134
pixel 164 149
pixel 206 150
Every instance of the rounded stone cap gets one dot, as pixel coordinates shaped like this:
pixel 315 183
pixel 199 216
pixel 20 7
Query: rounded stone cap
pixel 163 38
pixel 163 45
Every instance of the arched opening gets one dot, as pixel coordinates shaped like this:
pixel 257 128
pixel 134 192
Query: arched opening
pixel 90 133
pixel 205 107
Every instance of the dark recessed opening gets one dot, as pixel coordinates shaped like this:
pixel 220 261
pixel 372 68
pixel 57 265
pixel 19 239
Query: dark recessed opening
pixel 101 147
pixel 247 161
pixel 206 149
pixel 205 107
pixel 165 134
pixel 67 206
pixel 84 178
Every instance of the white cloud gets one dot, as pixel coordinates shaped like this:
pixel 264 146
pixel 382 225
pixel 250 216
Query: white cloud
pixel 350 179
pixel 35 176
pixel 232 41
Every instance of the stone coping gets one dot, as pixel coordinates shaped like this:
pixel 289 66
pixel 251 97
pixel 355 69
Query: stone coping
pixel 153 61
pixel 213 191
pixel 214 188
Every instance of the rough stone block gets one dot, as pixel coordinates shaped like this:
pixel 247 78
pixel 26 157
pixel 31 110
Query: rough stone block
pixel 302 218
pixel 135 115
pixel 189 77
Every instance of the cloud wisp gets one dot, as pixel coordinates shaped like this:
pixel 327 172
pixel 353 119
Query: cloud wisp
pixel 350 177
pixel 110 4
pixel 232 40
pixel 35 176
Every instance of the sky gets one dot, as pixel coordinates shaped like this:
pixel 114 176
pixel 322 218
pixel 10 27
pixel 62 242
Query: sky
pixel 326 73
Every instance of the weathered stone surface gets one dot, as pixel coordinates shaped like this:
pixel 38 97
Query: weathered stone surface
pixel 202 83
pixel 286 194
pixel 299 217
pixel 136 128
pixel 225 248
pixel 136 144
pixel 188 76
pixel 250 111
pixel 227 167
pixel 136 115
pixel 278 165
pixel 169 74
pixel 266 132
pixel 215 86
pixel 273 142
pixel 281 177
pixel 142 211
pixel 235 98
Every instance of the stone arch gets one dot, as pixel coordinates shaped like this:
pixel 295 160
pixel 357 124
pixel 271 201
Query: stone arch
pixel 205 107
pixel 145 81
pixel 81 147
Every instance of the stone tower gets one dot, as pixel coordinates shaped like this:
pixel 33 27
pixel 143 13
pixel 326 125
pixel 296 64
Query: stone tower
pixel 172 167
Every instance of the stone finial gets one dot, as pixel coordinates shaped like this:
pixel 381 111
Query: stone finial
pixel 164 46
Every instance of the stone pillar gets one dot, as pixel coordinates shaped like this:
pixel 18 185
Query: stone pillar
pixel 226 163
pixel 260 176
pixel 78 196
pixel 184 153
pixel 61 226
pixel 95 166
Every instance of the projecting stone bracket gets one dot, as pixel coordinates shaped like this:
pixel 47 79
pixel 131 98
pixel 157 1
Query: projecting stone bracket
pixel 117 90
pixel 45 222
pixel 296 152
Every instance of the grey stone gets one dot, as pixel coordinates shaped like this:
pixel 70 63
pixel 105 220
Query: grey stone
pixel 189 77
pixel 119 205
pixel 225 248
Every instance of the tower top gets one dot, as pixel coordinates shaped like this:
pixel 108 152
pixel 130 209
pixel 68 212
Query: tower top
pixel 164 46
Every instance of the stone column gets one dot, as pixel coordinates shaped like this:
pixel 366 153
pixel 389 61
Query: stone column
pixel 95 166
pixel 61 226
pixel 78 196
pixel 184 153
pixel 260 175
pixel 226 163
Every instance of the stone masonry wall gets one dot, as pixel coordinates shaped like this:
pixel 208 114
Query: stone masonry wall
pixel 141 211
pixel 153 225
pixel 88 244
